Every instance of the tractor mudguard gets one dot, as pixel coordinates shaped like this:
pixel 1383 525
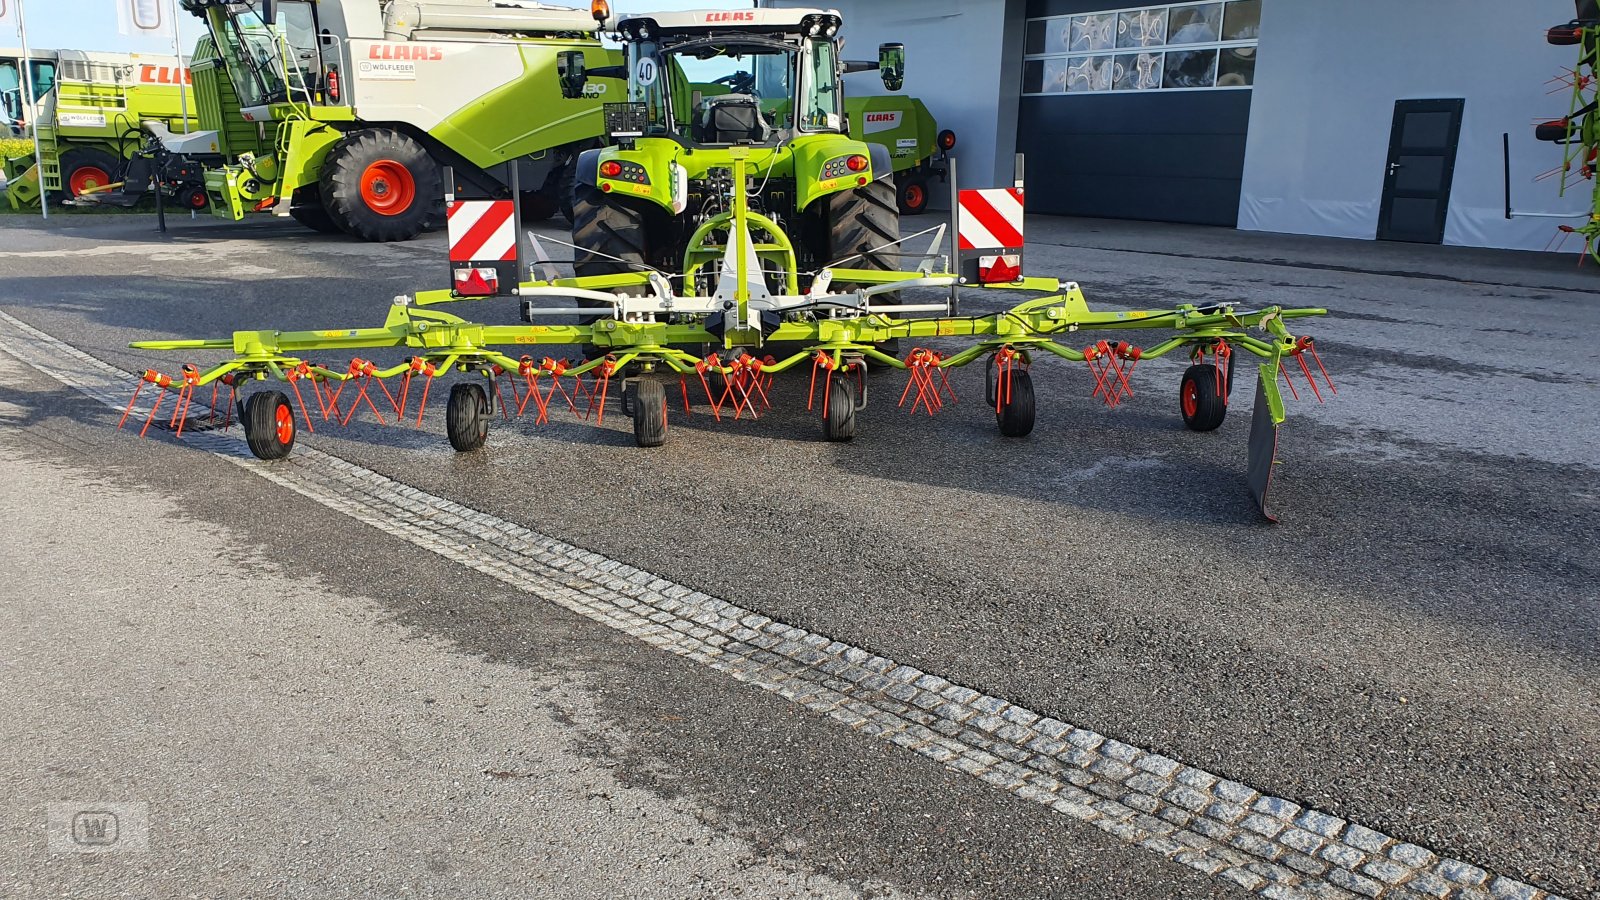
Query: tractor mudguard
pixel 882 164
pixel 587 168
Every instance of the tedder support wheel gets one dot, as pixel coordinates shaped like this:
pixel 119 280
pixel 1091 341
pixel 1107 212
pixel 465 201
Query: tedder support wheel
pixel 269 425
pixel 380 185
pixel 83 168
pixel 913 195
pixel 839 419
pixel 1201 399
pixel 1015 408
pixel 306 208
pixel 466 417
pixel 649 414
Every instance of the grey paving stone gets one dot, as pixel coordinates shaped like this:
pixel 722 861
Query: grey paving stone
pixel 1225 812
pixel 1255 845
pixel 1303 863
pixel 905 673
pixel 1385 870
pixel 1320 823
pixel 1364 838
pixel 1272 873
pixel 1110 768
pixel 1076 809
pixel 958 694
pixel 1296 839
pixel 1014 733
pixel 1504 888
pixel 989 723
pixel 1019 716
pixel 1244 878
pixel 1196 778
pixel 1046 745
pixel 1412 855
pixel 1461 873
pixel 1119 751
pixel 1088 740
pixel 1214 830
pixel 1055 728
pixel 932 683
pixel 1200 861
pixel 1188 798
pixel 1234 792
pixel 1158 765
pixel 1429 884
pixel 1277 807
pixel 1178 817
pixel 1342 855
pixel 991 705
pixel 1357 884
pixel 1263 825
pixel 905 693
pixel 1142 802
pixel 1150 784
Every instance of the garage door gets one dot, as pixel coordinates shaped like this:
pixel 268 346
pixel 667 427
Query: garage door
pixel 1139 112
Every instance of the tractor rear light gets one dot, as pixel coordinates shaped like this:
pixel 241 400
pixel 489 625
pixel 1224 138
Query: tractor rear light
pixel 856 163
pixel 947 140
pixel 611 168
pixel 1002 268
pixel 476 281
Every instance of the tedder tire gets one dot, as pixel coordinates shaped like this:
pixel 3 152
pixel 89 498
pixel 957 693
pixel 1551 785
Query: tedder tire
pixel 913 195
pixel 306 208
pixel 649 414
pixel 839 419
pixel 1202 404
pixel 380 185
pixel 85 167
pixel 1016 412
pixel 466 417
pixel 269 425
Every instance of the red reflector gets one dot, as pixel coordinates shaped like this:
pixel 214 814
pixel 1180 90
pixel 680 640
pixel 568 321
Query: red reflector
pixel 856 163
pixel 1002 269
pixel 605 187
pixel 477 281
pixel 861 180
pixel 611 168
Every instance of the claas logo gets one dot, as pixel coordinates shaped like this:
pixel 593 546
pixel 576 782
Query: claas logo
pixel 152 74
pixel 405 51
pixel 731 17
pixel 882 117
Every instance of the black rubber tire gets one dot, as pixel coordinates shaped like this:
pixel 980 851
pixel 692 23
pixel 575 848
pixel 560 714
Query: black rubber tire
pixel 1015 417
pixel 340 184
pixel 861 219
pixel 466 416
pixel 269 424
pixel 85 157
pixel 193 199
pixel 839 418
pixel 649 405
pixel 306 208
pixel 911 193
pixel 537 206
pixel 1202 405
pixel 566 181
pixel 602 225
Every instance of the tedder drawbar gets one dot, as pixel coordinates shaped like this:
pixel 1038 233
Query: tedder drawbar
pixel 737 304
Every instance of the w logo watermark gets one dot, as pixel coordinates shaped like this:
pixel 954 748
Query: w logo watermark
pixel 98 827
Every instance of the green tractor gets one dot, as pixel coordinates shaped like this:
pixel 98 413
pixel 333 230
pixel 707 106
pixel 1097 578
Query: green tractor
pixel 661 195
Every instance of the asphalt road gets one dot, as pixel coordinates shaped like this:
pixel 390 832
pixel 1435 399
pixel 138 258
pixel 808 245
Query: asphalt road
pixel 1412 648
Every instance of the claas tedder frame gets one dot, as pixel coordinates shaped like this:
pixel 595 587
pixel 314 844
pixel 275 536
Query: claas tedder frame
pixel 638 351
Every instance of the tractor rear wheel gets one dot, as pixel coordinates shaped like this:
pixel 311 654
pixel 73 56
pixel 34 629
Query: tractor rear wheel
pixel 860 223
pixel 1201 399
pixel 611 238
pixel 380 185
pixel 306 208
pixel 85 167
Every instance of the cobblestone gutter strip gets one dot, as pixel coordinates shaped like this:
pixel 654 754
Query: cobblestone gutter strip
pixel 1262 843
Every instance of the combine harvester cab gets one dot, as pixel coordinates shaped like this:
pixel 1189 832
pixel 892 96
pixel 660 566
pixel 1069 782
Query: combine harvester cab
pixel 342 113
pixel 725 239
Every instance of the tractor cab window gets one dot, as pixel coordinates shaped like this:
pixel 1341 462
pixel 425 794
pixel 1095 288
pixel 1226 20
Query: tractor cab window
pixel 820 103
pixel 729 92
pixel 251 53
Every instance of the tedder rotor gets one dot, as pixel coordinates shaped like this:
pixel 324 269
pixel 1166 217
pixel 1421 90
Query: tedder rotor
pixel 755 285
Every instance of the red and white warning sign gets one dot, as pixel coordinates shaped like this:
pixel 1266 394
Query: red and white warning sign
pixel 483 246
pixel 989 232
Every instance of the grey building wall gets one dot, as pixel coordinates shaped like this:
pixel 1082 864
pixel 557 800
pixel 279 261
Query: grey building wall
pixel 1326 84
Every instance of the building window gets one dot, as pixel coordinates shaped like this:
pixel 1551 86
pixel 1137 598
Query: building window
pixel 1178 46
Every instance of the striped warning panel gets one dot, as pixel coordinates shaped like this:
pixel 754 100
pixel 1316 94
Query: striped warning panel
pixel 990 219
pixel 482 230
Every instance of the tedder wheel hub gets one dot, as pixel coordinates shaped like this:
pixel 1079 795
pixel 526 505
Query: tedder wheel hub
pixel 388 188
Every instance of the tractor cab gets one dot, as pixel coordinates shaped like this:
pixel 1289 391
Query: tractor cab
pixel 271 51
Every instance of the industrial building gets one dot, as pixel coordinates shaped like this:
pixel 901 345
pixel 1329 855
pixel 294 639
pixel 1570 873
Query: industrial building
pixel 1361 119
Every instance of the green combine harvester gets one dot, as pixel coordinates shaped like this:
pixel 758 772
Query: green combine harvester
pixel 90 110
pixel 344 113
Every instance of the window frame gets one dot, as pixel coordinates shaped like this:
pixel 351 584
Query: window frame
pixel 1217 47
